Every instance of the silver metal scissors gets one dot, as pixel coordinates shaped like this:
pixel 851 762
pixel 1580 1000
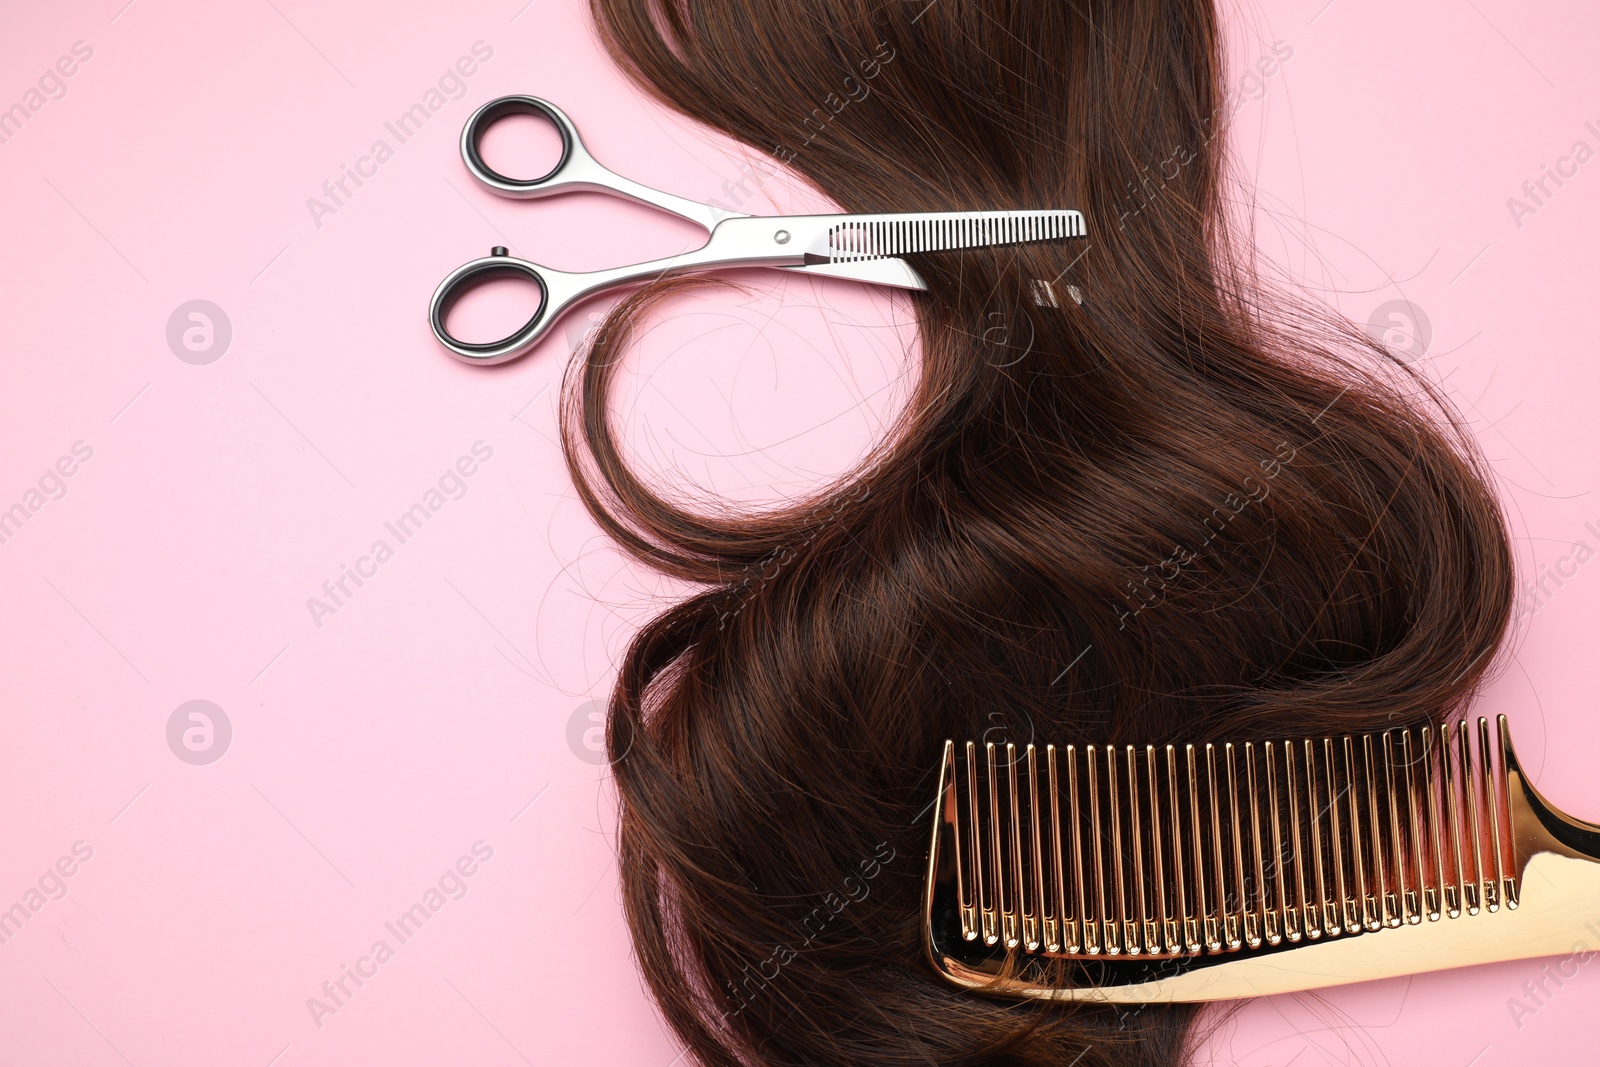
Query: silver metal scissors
pixel 862 248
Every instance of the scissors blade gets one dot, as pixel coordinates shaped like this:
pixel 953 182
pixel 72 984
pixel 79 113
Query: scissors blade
pixel 896 273
pixel 836 239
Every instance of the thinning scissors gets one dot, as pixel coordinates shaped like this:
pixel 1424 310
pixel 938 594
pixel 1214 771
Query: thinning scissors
pixel 859 247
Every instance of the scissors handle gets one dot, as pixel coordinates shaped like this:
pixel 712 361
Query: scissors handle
pixel 497 264
pixel 741 242
pixel 575 171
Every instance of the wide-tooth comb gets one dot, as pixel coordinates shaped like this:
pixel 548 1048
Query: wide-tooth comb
pixel 1184 874
pixel 859 237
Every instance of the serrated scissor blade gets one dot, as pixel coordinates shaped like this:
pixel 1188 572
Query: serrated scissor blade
pixel 852 238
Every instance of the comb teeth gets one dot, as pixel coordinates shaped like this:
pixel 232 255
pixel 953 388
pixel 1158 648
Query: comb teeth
pixel 880 236
pixel 1158 853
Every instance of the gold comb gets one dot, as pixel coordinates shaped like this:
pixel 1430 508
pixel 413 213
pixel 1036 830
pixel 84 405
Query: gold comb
pixel 1215 872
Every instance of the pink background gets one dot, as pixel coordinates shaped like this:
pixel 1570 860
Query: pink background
pixel 444 703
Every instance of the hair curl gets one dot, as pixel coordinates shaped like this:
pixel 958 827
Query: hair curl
pixel 1185 510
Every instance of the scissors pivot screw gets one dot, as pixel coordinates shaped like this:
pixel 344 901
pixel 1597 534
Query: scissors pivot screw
pixel 782 237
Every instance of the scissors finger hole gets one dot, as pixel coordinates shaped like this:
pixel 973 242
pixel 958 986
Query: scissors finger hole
pixel 491 306
pixel 517 135
pixel 520 145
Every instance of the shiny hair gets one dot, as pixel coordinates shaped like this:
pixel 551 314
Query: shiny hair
pixel 1190 508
